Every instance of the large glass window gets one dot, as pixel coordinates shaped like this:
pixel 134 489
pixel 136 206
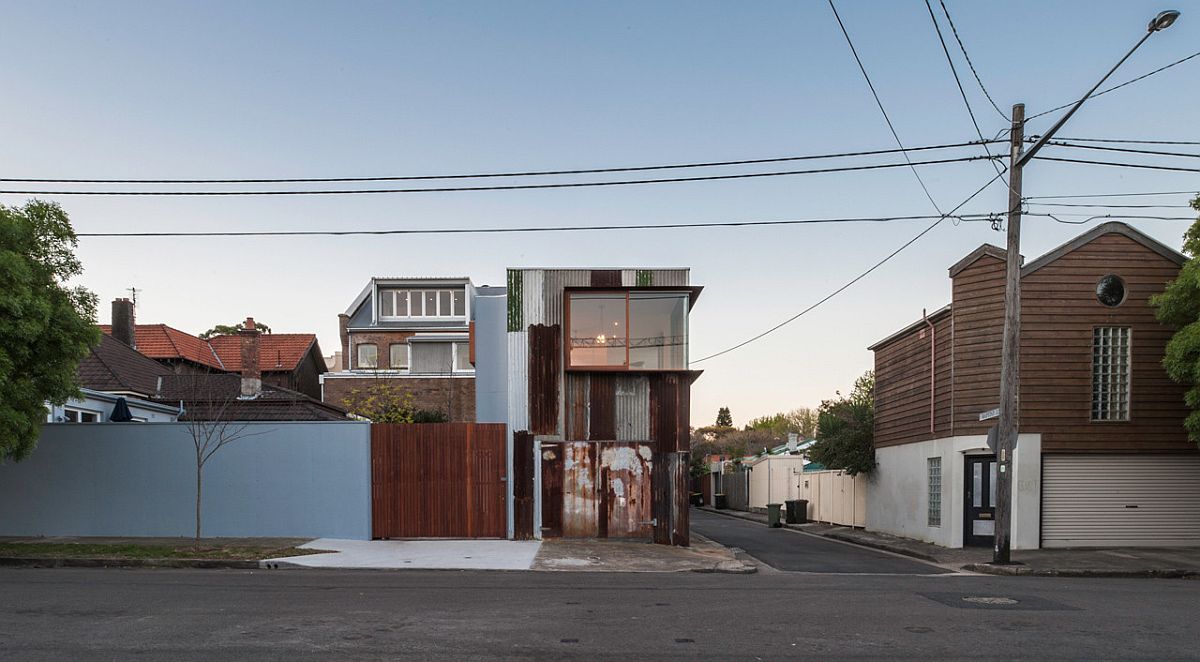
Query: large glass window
pixel 368 356
pixel 394 303
pixel 399 356
pixel 1111 353
pixel 639 330
pixel 462 357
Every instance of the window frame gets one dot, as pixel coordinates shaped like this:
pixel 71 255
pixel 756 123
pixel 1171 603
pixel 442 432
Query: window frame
pixel 80 412
pixel 358 364
pixel 1128 378
pixel 932 463
pixel 454 355
pixel 683 291
pixel 417 295
pixel 407 356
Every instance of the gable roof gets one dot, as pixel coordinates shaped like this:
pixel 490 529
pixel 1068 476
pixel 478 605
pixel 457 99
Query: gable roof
pixel 1112 227
pixel 159 341
pixel 212 396
pixel 984 250
pixel 277 352
pixel 932 317
pixel 113 366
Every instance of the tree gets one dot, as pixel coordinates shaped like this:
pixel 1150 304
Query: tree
pixel 1179 306
pixel 228 330
pixel 724 418
pixel 46 327
pixel 802 421
pixel 846 429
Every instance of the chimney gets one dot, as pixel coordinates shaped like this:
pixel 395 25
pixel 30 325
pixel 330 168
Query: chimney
pixel 251 374
pixel 122 322
pixel 344 331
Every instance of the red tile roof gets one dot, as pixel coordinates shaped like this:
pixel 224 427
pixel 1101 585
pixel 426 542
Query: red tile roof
pixel 276 351
pixel 159 341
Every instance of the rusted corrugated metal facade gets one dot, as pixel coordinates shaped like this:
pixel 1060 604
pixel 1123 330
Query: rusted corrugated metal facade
pixel 609 449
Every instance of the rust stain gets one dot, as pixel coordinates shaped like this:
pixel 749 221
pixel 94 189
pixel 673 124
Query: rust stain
pixel 545 367
pixel 579 499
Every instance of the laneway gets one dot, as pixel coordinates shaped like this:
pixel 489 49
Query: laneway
pixel 784 549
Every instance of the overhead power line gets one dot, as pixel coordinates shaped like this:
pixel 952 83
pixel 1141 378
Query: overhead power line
pixel 1089 219
pixel 1118 86
pixel 1131 142
pixel 518 230
pixel 506 187
pixel 1126 150
pixel 1109 206
pixel 1107 195
pixel 1142 166
pixel 486 175
pixel 971 64
pixel 879 102
pixel 961 91
pixel 854 280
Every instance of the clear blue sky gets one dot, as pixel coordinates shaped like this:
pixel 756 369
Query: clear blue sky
pixel 215 89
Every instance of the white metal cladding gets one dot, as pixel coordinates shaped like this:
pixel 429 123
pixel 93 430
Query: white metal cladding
pixel 518 381
pixel 554 282
pixel 628 277
pixel 633 408
pixel 1120 500
pixel 533 309
pixel 669 277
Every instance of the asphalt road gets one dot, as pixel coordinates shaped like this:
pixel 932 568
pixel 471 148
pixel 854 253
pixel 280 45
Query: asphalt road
pixel 86 614
pixel 784 549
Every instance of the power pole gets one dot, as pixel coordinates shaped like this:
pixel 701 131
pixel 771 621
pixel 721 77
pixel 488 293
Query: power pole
pixel 1010 370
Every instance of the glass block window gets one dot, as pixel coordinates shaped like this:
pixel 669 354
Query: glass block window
pixel 1111 357
pixel 935 491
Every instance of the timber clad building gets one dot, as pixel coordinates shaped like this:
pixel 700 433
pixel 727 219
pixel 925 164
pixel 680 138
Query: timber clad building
pixel 598 396
pixel 1102 457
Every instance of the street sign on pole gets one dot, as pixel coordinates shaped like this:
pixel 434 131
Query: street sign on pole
pixel 990 414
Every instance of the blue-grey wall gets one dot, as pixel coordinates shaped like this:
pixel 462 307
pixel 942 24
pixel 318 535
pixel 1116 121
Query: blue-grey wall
pixel 111 479
pixel 491 357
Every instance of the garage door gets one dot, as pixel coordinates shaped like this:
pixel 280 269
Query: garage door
pixel 1120 500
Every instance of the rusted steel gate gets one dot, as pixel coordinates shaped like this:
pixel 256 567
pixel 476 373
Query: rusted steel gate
pixel 438 480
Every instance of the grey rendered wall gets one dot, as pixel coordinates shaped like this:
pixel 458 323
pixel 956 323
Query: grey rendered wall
pixel 110 479
pixel 491 359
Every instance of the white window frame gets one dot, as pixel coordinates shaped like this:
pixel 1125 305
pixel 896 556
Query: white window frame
pixel 80 413
pixel 414 294
pixel 1109 372
pixel 933 475
pixel 358 355
pixel 454 351
pixel 407 357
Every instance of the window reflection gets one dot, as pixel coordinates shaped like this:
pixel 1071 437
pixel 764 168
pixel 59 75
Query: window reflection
pixel 597 334
pixel 658 331
pixel 640 330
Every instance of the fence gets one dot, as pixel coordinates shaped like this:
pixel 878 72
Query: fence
pixel 736 484
pixel 834 496
pixel 139 479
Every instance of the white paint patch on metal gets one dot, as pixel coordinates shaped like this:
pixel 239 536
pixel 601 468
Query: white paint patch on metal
pixel 622 458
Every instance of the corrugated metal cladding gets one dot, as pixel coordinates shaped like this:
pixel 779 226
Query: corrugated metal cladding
pixel 607 407
pixel 632 408
pixel 533 308
pixel 577 394
pixel 554 283
pixel 514 295
pixel 545 369
pixel 518 381
pixel 1120 500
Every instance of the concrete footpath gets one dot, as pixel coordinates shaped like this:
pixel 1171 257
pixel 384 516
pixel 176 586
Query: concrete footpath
pixel 1182 562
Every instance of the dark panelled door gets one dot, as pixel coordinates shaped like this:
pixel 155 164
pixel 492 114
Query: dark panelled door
pixel 980 501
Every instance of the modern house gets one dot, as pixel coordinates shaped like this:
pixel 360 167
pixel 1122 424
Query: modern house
pixel 291 361
pixel 598 397
pixel 414 333
pixel 1102 458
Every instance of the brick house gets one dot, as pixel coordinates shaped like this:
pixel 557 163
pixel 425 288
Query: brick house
pixel 414 333
pixel 1102 458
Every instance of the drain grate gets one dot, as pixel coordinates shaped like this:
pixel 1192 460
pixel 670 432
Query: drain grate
pixel 997 602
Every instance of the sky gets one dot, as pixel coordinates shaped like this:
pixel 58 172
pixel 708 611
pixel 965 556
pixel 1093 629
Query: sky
pixel 306 89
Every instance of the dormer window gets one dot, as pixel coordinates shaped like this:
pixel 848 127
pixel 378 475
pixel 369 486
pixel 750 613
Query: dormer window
pixel 416 304
pixel 623 330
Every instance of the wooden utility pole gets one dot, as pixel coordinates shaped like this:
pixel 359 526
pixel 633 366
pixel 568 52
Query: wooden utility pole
pixel 1010 369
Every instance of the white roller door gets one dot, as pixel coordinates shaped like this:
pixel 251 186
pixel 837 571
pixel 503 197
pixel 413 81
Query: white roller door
pixel 1120 500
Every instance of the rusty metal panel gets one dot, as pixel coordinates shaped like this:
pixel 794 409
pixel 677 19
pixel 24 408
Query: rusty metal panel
pixel 579 502
pixel 577 393
pixel 632 398
pixel 670 394
pixel 602 407
pixel 518 380
pixel 440 480
pixel 606 278
pixel 626 471
pixel 545 369
pixel 555 282
pixel 523 465
pixel 552 489
pixel 532 309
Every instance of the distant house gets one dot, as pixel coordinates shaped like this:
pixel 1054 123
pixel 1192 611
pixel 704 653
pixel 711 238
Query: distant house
pixel 289 360
pixel 414 333
pixel 110 373
pixel 1102 459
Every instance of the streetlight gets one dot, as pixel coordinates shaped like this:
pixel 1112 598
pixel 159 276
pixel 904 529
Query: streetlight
pixel 1010 375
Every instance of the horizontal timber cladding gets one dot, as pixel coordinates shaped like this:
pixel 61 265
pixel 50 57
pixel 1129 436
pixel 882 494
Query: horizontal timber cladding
pixel 545 370
pixel 977 317
pixel 1120 500
pixel 438 480
pixel 1059 309
pixel 523 485
pixel 902 385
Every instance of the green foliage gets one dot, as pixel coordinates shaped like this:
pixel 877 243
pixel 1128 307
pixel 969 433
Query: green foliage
pixel 381 403
pixel 846 429
pixel 228 330
pixel 430 416
pixel 724 418
pixel 1179 306
pixel 802 421
pixel 46 327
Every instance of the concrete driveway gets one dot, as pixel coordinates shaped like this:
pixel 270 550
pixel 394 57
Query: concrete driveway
pixel 409 554
pixel 792 551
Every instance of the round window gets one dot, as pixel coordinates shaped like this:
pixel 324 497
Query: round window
pixel 1110 291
